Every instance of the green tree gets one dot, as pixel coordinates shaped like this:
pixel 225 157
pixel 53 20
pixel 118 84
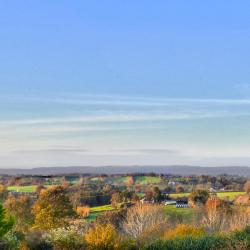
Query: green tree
pixel 6 223
pixel 199 196
pixel 20 209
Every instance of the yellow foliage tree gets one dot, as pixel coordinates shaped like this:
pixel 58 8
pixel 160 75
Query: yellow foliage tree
pixel 105 237
pixel 52 209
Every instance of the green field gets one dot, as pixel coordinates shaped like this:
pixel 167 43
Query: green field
pixel 139 180
pixel 26 189
pixel 96 211
pixel 183 215
pixel 120 179
pixel 229 195
pixel 101 208
pixel 145 180
pixel 222 195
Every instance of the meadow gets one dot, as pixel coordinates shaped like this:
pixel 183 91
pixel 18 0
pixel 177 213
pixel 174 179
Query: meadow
pixel 222 195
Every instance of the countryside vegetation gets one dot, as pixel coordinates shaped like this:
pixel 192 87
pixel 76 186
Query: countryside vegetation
pixel 126 211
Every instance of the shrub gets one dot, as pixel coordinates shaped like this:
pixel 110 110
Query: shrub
pixel 37 241
pixel 63 239
pixel 240 219
pixel 189 243
pixel 83 211
pixel 240 238
pixel 105 237
pixel 183 230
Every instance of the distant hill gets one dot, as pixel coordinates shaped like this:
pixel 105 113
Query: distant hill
pixel 180 170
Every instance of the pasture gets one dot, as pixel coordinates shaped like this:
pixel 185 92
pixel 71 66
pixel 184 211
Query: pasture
pixel 96 211
pixel 222 195
pixel 25 189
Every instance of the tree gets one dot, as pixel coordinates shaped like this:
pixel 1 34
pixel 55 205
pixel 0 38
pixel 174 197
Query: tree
pixel 247 187
pixel 3 192
pixel 216 214
pixel 39 188
pixel 20 209
pixel 115 218
pixel 116 198
pixel 179 189
pixel 75 198
pixel 53 209
pixel 199 196
pixel 6 223
pixel 145 222
pixel 130 181
pixel 157 194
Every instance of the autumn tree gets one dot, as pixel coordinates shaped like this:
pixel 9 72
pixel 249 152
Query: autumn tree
pixel 247 187
pixel 116 198
pixel 75 198
pixel 3 192
pixel 179 189
pixel 53 209
pixel 157 196
pixel 130 181
pixel 39 188
pixel 115 218
pixel 20 209
pixel 216 214
pixel 199 196
pixel 145 222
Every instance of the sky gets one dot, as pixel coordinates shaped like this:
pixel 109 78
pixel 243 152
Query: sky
pixel 96 83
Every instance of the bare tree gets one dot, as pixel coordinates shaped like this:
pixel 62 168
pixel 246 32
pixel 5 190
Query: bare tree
pixel 215 216
pixel 145 221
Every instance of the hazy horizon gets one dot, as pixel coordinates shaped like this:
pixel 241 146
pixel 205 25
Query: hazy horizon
pixel 109 83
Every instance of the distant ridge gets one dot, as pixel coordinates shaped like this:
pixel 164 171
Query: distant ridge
pixel 179 170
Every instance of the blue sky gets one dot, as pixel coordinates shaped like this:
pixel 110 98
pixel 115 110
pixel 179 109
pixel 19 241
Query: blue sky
pixel 114 82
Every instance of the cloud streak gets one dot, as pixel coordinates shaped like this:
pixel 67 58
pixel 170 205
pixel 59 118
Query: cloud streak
pixel 139 117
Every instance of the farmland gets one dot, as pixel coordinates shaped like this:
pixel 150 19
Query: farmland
pixel 222 195
pixel 24 189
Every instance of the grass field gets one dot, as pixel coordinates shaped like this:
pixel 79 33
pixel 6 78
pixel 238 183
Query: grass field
pixel 145 180
pixel 222 195
pixel 183 215
pixel 26 189
pixel 120 179
pixel 101 208
pixel 96 211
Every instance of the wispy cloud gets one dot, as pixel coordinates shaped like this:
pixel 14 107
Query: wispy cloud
pixel 136 117
pixel 108 100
